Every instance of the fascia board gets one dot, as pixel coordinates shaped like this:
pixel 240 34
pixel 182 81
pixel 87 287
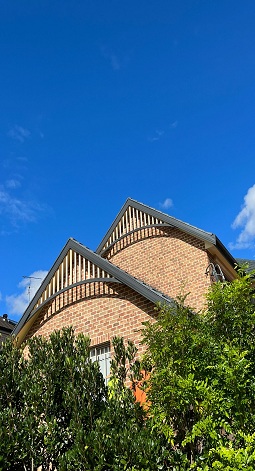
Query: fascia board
pixel 225 252
pixel 105 265
pixel 169 220
pixel 113 225
pixel 184 226
pixel 39 292
pixel 122 276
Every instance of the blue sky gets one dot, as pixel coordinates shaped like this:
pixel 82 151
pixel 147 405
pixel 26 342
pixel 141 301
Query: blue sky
pixel 105 100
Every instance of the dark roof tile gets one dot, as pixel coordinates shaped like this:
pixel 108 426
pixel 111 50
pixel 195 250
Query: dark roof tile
pixel 245 261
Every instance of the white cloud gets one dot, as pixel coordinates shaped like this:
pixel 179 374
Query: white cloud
pixel 153 139
pixel 18 302
pixel 12 183
pixel 168 203
pixel 17 210
pixel 19 133
pixel 159 134
pixel 246 221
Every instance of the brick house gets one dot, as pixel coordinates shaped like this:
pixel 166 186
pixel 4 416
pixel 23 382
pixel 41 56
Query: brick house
pixel 146 257
pixel 6 327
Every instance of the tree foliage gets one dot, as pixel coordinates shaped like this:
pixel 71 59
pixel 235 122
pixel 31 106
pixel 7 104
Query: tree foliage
pixel 55 409
pixel 49 400
pixel 201 387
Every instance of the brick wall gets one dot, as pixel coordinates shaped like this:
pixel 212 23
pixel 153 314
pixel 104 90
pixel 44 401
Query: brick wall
pixel 167 259
pixel 99 310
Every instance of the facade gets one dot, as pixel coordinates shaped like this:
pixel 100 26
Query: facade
pixel 146 257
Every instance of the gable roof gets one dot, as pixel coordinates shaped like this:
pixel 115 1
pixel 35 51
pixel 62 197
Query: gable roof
pixel 244 261
pixel 134 216
pixel 58 279
pixel 6 327
pixel 6 323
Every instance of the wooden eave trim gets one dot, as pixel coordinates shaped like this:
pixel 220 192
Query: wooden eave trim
pixel 115 272
pixel 227 267
pixel 19 338
pixel 169 220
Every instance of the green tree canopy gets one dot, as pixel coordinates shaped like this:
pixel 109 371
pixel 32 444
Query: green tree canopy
pixel 201 389
pixel 55 409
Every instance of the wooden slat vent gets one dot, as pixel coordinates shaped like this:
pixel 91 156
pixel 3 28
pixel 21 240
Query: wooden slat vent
pixel 73 269
pixel 133 219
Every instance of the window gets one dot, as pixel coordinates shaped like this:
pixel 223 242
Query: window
pixel 215 272
pixel 102 354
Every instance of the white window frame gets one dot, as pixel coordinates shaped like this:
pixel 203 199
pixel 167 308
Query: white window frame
pixel 102 354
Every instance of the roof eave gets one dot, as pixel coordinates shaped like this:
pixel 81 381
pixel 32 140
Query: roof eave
pixel 169 220
pixel 225 252
pixel 145 291
pixel 39 292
